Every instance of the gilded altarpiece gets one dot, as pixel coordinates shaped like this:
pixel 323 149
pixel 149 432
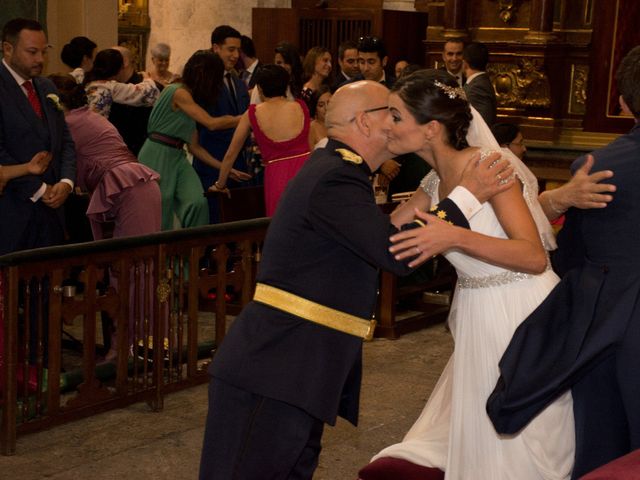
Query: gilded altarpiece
pixel 134 28
pixel 552 63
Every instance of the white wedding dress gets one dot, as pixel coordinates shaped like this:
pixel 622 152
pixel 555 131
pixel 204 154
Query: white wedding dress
pixel 453 432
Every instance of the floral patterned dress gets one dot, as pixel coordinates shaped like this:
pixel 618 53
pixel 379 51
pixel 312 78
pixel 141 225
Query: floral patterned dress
pixel 101 94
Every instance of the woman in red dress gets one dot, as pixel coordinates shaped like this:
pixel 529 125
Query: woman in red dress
pixel 281 128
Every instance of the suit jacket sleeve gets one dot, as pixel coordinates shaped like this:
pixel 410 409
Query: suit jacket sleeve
pixel 64 149
pixel 68 168
pixel 26 186
pixel 571 249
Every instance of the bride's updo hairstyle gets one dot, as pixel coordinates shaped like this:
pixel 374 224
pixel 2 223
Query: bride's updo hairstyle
pixel 435 95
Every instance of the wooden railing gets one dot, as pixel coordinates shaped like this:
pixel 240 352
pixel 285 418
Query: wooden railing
pixel 154 289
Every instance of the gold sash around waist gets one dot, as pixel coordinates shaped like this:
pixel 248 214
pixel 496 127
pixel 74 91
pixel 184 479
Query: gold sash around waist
pixel 314 312
pixel 291 157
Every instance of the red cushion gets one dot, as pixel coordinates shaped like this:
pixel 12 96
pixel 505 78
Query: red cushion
pixel 388 468
pixel 623 468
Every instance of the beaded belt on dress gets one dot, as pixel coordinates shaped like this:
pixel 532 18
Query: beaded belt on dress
pixel 496 280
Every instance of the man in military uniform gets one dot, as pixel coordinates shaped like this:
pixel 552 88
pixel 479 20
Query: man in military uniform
pixel 292 359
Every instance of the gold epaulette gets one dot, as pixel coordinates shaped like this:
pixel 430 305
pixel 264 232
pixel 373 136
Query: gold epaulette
pixel 349 156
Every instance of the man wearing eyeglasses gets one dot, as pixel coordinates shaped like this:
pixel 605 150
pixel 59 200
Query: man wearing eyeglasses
pixel 292 359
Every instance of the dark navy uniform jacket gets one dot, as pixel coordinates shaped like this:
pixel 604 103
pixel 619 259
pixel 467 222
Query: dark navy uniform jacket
pixel 326 243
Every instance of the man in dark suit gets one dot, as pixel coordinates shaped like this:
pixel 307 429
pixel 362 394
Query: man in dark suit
pixel 232 100
pixel 452 58
pixel 372 60
pixel 31 122
pixel 292 359
pixel 348 62
pixel 250 62
pixel 586 335
pixel 131 121
pixel 478 86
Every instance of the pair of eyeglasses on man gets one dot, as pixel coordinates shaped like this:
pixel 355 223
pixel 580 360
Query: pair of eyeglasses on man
pixel 366 110
pixel 369 110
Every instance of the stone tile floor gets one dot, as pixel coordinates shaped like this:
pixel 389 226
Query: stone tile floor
pixel 135 443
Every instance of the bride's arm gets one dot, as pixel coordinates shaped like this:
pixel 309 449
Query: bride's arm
pixel 480 182
pixel 404 213
pixel 522 251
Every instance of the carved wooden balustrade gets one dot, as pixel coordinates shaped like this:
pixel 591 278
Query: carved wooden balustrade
pixel 153 288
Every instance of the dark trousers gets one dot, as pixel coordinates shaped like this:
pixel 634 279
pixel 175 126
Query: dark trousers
pixel 44 230
pixel 251 437
pixel 606 405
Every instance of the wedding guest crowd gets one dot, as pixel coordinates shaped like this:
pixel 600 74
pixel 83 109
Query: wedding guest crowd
pixel 146 147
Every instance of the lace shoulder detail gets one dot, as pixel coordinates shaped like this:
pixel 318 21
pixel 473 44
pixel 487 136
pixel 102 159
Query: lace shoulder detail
pixel 430 183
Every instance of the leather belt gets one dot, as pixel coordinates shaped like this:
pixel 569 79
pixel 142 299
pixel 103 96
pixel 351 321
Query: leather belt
pixel 314 312
pixel 166 140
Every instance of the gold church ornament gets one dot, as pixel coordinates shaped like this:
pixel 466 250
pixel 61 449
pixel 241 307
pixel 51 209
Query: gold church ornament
pixel 524 84
pixel 163 290
pixel 506 10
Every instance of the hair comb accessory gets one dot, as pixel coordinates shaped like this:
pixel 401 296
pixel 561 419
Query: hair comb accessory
pixel 451 92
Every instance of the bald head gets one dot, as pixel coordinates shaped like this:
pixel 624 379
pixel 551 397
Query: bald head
pixel 352 98
pixel 127 64
pixel 357 116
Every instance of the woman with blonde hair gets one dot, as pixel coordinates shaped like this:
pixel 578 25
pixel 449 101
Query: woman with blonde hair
pixel 316 68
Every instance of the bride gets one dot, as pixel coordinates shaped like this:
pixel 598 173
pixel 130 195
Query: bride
pixel 503 274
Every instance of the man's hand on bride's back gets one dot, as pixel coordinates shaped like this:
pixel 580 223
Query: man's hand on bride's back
pixel 487 178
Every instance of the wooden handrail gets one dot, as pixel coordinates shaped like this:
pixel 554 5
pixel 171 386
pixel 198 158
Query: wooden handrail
pixel 156 285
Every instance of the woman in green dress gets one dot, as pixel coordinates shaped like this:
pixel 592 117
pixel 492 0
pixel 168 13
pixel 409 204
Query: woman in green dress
pixel 172 125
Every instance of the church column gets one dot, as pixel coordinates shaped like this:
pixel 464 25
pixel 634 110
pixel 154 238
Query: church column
pixel 541 21
pixel 455 18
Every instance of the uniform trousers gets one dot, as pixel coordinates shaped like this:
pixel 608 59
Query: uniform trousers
pixel 252 437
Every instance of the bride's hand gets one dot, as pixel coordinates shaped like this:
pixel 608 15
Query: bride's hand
pixel 487 178
pixel 420 244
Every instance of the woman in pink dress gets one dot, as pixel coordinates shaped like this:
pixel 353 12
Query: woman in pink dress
pixel 122 190
pixel 281 129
